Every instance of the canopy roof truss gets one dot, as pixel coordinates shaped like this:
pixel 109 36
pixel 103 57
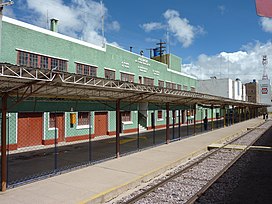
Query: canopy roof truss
pixel 24 82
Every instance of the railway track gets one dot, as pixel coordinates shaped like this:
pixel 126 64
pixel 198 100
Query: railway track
pixel 188 182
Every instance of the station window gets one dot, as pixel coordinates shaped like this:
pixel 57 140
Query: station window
pixel 126 116
pixel 174 86
pixel 161 83
pixel 148 81
pixel 193 89
pixel 52 120
pixel 185 87
pixel 179 87
pixel 84 69
pixel 160 114
pixel 127 77
pixel 109 74
pixel 168 85
pixel 40 61
pixel 83 118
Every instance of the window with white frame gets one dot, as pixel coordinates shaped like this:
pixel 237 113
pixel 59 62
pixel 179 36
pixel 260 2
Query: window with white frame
pixel 83 118
pixel 109 74
pixel 127 77
pixel 85 69
pixel 160 116
pixel 126 116
pixel 29 59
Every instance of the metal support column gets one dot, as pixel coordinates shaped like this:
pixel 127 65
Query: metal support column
pixel 201 119
pixel 239 112
pixel 179 124
pixel 4 143
pixel 233 115
pixel 224 112
pixel 173 126
pixel 118 125
pixel 194 119
pixel 187 115
pixel 212 116
pixel 167 124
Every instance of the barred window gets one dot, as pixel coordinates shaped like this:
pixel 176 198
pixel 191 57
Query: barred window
pixel 79 68
pixel 52 120
pixel 109 74
pixel 62 65
pixel 33 60
pixel 148 81
pixel 127 77
pixel 83 118
pixel 126 116
pixel 44 62
pixel 54 63
pixel 93 71
pixel 23 58
pixel 159 114
pixel 161 83
pixel 169 85
pixel 40 61
pixel 86 69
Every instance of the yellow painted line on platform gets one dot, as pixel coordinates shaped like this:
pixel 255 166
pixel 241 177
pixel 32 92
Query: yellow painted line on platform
pixel 126 140
pixel 146 175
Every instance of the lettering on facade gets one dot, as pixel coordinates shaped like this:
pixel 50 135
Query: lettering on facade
pixel 156 72
pixel 125 64
pixel 142 61
pixel 142 69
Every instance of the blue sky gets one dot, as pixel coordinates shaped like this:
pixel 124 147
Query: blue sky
pixel 223 38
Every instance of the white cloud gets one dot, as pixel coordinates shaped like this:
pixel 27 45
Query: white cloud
pixel 179 27
pixel 152 26
pixel 80 19
pixel 266 24
pixel 245 65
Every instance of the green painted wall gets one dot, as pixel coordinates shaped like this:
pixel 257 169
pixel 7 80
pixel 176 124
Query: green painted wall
pixel 17 37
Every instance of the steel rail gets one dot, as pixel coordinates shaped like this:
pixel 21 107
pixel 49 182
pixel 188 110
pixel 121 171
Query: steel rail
pixel 177 174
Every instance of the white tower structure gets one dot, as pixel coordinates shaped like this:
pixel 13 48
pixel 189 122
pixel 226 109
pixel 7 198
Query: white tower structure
pixel 265 85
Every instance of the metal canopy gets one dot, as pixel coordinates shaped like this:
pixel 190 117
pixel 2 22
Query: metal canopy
pixel 24 82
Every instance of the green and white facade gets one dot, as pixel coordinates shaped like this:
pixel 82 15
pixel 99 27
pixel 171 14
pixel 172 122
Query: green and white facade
pixel 32 46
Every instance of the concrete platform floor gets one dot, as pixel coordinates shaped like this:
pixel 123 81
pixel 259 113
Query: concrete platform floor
pixel 100 182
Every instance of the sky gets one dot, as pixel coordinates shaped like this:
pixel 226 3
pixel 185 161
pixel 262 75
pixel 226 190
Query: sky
pixel 222 38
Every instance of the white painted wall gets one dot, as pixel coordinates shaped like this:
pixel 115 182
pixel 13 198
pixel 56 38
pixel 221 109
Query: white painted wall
pixel 223 87
pixel 265 92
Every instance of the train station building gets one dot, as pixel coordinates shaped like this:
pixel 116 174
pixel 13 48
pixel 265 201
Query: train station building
pixel 68 103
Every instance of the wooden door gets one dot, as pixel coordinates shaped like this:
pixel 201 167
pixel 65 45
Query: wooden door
pixel 30 129
pixel 59 123
pixel 60 127
pixel 101 123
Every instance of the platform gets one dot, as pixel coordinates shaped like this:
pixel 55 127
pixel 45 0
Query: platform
pixel 100 182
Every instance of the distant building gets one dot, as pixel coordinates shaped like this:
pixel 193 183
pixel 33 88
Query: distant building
pixel 228 88
pixel 252 91
pixel 265 92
